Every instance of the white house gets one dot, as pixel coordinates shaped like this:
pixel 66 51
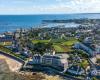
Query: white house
pixel 75 69
pixel 88 40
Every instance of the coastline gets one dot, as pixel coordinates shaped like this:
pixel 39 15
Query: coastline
pixel 13 22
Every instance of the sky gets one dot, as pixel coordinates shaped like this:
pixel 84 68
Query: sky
pixel 49 6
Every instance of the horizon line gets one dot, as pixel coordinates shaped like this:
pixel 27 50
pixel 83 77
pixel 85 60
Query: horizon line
pixel 50 14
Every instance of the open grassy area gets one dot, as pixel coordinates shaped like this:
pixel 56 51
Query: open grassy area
pixel 58 48
pixel 70 42
pixel 6 43
pixel 42 41
pixel 62 48
pixel 57 41
pixel 60 45
pixel 64 45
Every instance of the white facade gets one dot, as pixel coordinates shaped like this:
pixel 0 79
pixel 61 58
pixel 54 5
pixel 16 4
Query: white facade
pixel 37 59
pixel 97 49
pixel 84 48
pixel 52 60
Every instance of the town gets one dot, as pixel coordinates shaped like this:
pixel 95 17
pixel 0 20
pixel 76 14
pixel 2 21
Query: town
pixel 72 52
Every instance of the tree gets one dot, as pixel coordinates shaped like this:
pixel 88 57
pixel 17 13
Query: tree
pixel 98 60
pixel 84 64
pixel 49 45
pixel 94 78
pixel 39 47
pixel 42 47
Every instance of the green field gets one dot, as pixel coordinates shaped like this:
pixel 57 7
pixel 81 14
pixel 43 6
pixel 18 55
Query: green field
pixel 62 48
pixel 59 45
pixel 70 42
pixel 41 41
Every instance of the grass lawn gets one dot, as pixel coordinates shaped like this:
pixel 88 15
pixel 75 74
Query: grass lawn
pixel 58 48
pixel 84 64
pixel 57 41
pixel 42 41
pixel 70 42
pixel 8 51
pixel 62 48
pixel 59 45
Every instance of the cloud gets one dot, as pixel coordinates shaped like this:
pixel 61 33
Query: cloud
pixel 49 6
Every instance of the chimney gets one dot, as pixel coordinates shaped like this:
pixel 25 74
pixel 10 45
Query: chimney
pixel 53 52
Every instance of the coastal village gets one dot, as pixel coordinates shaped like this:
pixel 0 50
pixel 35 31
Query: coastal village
pixel 70 52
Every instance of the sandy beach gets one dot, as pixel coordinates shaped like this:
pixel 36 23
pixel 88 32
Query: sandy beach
pixel 12 64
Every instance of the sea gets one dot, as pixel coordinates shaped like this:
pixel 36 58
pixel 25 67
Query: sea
pixel 13 22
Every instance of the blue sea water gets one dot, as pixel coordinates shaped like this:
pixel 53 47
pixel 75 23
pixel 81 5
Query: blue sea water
pixel 13 22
